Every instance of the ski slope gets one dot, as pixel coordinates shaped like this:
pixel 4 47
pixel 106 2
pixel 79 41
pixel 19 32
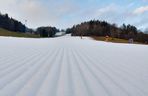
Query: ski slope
pixel 70 66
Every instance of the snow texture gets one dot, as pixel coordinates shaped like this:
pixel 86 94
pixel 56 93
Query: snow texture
pixel 70 66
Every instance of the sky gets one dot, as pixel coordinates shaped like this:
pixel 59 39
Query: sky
pixel 66 13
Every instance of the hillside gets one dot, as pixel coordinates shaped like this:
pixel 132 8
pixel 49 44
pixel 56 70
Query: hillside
pixel 11 24
pixel 103 28
pixel 70 66
pixel 113 40
pixel 4 32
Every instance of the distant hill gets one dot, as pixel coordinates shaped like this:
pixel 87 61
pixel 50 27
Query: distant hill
pixel 4 32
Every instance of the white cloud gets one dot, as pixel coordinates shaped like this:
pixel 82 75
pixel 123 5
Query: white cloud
pixel 107 9
pixel 65 13
pixel 39 13
pixel 141 10
pixel 35 13
pixel 112 13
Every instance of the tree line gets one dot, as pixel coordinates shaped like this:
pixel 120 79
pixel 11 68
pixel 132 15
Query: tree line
pixel 90 28
pixel 11 24
pixel 103 28
pixel 47 31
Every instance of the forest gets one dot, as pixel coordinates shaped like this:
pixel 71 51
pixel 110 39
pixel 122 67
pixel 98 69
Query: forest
pixel 16 26
pixel 103 28
pixel 89 28
pixel 11 24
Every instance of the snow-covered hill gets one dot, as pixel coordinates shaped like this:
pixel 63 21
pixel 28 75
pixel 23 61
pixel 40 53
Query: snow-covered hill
pixel 70 66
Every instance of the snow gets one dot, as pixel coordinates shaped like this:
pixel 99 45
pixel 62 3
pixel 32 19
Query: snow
pixel 59 34
pixel 70 66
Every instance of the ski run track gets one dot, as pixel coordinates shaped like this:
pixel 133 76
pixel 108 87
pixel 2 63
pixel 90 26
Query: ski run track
pixel 70 66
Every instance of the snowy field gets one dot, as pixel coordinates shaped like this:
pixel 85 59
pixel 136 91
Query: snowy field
pixel 70 66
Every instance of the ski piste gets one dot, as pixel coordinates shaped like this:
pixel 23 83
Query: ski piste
pixel 71 66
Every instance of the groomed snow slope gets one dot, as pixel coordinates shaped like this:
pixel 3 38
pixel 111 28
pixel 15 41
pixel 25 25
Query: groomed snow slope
pixel 70 66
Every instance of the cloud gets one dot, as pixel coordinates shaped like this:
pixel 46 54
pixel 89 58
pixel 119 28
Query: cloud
pixel 36 13
pixel 66 13
pixel 141 10
pixel 107 9
pixel 40 12
pixel 112 13
pixel 48 13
